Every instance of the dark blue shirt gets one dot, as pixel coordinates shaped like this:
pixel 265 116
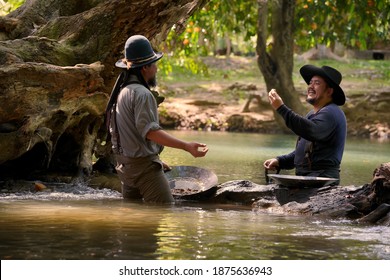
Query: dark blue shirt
pixel 321 141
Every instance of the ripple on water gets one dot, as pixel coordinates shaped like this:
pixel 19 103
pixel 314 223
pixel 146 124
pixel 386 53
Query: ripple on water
pixel 74 191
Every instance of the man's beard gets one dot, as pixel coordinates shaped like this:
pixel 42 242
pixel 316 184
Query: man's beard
pixel 311 101
pixel 152 82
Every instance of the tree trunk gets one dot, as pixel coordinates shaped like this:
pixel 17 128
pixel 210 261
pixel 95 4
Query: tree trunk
pixel 275 59
pixel 57 70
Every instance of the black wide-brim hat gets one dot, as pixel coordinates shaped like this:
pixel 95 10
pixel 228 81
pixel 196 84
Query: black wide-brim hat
pixel 139 52
pixel 331 76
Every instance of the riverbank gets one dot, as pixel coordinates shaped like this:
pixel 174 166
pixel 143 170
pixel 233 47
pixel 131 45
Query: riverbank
pixel 234 98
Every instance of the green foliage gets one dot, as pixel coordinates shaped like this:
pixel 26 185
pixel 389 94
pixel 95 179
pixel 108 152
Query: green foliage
pixel 206 29
pixel 183 67
pixel 361 76
pixel 7 6
pixel 357 24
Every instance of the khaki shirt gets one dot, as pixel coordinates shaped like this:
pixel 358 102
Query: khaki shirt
pixel 136 115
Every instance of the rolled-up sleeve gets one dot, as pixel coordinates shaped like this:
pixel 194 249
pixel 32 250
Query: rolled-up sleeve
pixel 146 114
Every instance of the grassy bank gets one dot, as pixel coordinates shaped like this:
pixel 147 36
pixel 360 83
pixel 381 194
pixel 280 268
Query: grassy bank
pixel 210 90
pixel 359 76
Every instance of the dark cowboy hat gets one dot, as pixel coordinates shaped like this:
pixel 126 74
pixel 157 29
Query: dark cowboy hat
pixel 331 76
pixel 139 52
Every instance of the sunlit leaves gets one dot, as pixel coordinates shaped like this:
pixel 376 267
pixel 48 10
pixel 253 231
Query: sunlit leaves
pixel 216 20
pixel 357 24
pixel 7 6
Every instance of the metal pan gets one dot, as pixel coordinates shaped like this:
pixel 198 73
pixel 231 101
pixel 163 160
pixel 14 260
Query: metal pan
pixel 190 182
pixel 301 181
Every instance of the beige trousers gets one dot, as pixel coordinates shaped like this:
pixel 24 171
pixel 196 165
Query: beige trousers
pixel 143 178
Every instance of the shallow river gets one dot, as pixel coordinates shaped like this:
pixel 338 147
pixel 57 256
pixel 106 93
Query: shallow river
pixel 77 222
pixel 240 156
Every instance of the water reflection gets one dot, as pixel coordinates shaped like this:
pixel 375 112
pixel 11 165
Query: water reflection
pixel 77 230
pixel 115 229
pixel 78 222
pixel 234 156
pixel 221 234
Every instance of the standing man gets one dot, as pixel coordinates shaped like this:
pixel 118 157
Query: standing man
pixel 133 120
pixel 322 133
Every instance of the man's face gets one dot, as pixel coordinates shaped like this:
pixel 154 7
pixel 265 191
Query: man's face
pixel 318 92
pixel 150 74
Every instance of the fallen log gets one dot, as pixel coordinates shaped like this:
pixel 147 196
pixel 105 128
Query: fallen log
pixel 365 204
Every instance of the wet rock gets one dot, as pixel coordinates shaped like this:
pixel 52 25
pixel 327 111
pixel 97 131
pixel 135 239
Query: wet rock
pixel 381 183
pixel 382 211
pixel 369 203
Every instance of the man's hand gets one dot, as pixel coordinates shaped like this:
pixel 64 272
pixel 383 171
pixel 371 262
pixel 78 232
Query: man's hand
pixel 271 164
pixel 166 167
pixel 274 99
pixel 196 149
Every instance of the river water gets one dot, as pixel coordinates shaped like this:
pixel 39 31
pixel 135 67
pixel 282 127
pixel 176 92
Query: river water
pixel 241 155
pixel 77 222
